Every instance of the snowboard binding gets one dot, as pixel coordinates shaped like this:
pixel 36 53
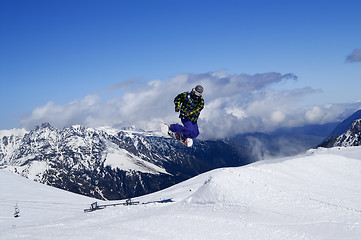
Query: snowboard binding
pixel 179 137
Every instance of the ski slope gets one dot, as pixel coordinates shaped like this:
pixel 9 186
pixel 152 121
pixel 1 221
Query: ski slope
pixel 316 195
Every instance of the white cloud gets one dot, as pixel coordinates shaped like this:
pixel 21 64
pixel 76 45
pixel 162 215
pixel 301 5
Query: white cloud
pixel 233 104
pixel 278 116
pixel 314 115
pixel 355 56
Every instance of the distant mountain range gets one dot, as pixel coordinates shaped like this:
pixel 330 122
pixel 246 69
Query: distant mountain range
pixel 116 164
pixel 109 164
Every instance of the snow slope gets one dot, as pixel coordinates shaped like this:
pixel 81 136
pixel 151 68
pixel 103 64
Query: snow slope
pixel 316 195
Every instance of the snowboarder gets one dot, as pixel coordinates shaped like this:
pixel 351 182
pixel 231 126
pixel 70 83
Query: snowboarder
pixel 189 105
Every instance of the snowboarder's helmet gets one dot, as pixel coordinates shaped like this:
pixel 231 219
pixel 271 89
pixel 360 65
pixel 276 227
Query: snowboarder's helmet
pixel 198 90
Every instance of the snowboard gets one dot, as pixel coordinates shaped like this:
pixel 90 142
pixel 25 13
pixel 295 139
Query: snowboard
pixel 165 130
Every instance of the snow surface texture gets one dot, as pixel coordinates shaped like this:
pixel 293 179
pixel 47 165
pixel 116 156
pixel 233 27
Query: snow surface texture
pixel 316 195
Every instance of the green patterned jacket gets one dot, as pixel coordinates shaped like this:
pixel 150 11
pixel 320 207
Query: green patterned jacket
pixel 189 106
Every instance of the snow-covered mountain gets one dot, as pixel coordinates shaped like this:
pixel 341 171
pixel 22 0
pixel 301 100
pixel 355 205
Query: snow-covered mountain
pixel 112 164
pixel 342 127
pixel 315 196
pixel 351 137
pixel 109 164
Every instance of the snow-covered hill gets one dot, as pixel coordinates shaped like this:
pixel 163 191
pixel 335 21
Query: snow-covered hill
pixel 311 196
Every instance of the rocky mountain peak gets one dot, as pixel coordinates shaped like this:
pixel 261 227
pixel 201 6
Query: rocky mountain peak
pixel 352 137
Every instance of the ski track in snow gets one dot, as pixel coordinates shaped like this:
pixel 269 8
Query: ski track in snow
pixel 316 195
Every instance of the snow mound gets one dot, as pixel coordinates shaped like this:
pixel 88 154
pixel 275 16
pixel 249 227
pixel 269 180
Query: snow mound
pixel 219 188
pixel 295 183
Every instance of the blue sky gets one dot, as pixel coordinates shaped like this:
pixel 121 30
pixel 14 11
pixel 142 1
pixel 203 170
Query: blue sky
pixel 58 53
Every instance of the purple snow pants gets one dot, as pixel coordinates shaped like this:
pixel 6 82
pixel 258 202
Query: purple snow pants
pixel 189 129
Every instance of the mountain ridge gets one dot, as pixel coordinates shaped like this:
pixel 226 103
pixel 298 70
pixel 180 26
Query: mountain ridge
pixel 345 124
pixel 351 137
pixel 109 165
pixel 346 133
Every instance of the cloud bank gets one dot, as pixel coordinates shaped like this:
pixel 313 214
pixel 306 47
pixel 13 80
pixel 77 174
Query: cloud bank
pixel 234 104
pixel 355 56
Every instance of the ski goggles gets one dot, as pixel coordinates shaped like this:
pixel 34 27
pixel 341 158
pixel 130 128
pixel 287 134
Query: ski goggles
pixel 198 94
